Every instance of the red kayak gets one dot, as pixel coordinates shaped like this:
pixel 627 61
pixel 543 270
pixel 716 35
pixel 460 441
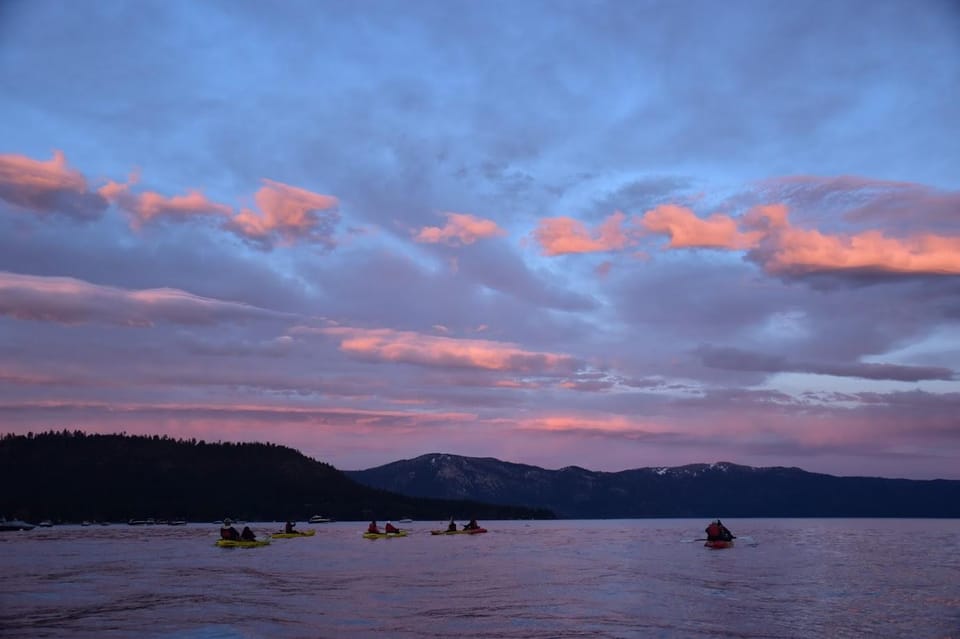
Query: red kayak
pixel 719 543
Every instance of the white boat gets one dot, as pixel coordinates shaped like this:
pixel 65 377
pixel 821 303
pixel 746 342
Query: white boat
pixel 46 523
pixel 405 520
pixel 317 519
pixel 15 524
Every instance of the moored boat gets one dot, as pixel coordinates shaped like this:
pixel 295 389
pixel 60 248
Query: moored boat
pixel 317 519
pixel 14 524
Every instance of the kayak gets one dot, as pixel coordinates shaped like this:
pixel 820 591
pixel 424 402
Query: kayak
pixel 230 543
pixel 294 535
pixel 369 535
pixel 475 531
pixel 719 543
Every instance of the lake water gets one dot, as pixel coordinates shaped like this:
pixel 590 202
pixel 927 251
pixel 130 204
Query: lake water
pixel 620 578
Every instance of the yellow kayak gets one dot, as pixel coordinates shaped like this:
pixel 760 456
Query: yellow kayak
pixel 229 543
pixel 294 535
pixel 369 535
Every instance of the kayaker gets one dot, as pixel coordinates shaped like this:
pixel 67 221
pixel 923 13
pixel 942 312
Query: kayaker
pixel 227 531
pixel 390 528
pixel 289 528
pixel 713 531
pixel 452 526
pixel 372 528
pixel 716 531
pixel 247 534
pixel 473 525
pixel 725 533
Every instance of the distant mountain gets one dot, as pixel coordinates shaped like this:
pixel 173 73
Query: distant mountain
pixel 68 476
pixel 698 490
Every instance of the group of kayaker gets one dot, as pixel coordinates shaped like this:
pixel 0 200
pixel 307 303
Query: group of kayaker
pixel 716 531
pixel 388 528
pixel 228 532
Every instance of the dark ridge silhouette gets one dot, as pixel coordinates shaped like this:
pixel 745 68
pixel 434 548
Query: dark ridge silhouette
pixel 72 476
pixel 697 490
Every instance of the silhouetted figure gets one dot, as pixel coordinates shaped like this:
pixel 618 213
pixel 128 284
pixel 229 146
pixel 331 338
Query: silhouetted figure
pixel 452 526
pixel 473 525
pixel 227 531
pixel 390 528
pixel 372 528
pixel 247 534
pixel 716 531
pixel 288 528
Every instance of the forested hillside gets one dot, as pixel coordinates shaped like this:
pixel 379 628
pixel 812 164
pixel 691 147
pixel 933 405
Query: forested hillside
pixel 72 476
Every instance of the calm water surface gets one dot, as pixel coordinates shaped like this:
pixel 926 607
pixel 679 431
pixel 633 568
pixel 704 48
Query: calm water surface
pixel 623 578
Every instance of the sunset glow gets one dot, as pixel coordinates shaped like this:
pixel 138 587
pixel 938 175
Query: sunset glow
pixel 558 236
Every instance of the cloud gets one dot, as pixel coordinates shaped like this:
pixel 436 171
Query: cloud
pixel 793 251
pixel 287 214
pixel 408 347
pixel 686 230
pixel 564 235
pixel 147 206
pixel 742 360
pixel 48 187
pixel 346 416
pixel 67 300
pixel 461 228
pixel 778 246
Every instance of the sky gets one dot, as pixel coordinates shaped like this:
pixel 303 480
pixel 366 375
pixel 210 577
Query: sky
pixel 604 234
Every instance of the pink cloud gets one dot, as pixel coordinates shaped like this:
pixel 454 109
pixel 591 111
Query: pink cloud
pixel 564 235
pixel 795 251
pixel 686 230
pixel 461 228
pixel 782 248
pixel 48 187
pixel 573 422
pixel 407 347
pixel 287 214
pixel 147 206
pixel 67 300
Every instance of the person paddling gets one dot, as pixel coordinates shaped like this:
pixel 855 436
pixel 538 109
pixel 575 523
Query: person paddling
pixel 473 525
pixel 288 528
pixel 247 534
pixel 227 531
pixel 452 526
pixel 390 528
pixel 716 531
pixel 372 528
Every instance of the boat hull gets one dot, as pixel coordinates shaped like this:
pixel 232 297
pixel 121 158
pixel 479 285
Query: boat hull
pixel 294 535
pixel 719 544
pixel 368 535
pixel 475 531
pixel 230 543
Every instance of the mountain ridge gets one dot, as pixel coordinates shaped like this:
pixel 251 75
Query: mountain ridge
pixel 691 490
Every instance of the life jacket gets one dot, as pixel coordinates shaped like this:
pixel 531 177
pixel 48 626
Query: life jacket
pixel 230 533
pixel 390 528
pixel 713 531
pixel 372 528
